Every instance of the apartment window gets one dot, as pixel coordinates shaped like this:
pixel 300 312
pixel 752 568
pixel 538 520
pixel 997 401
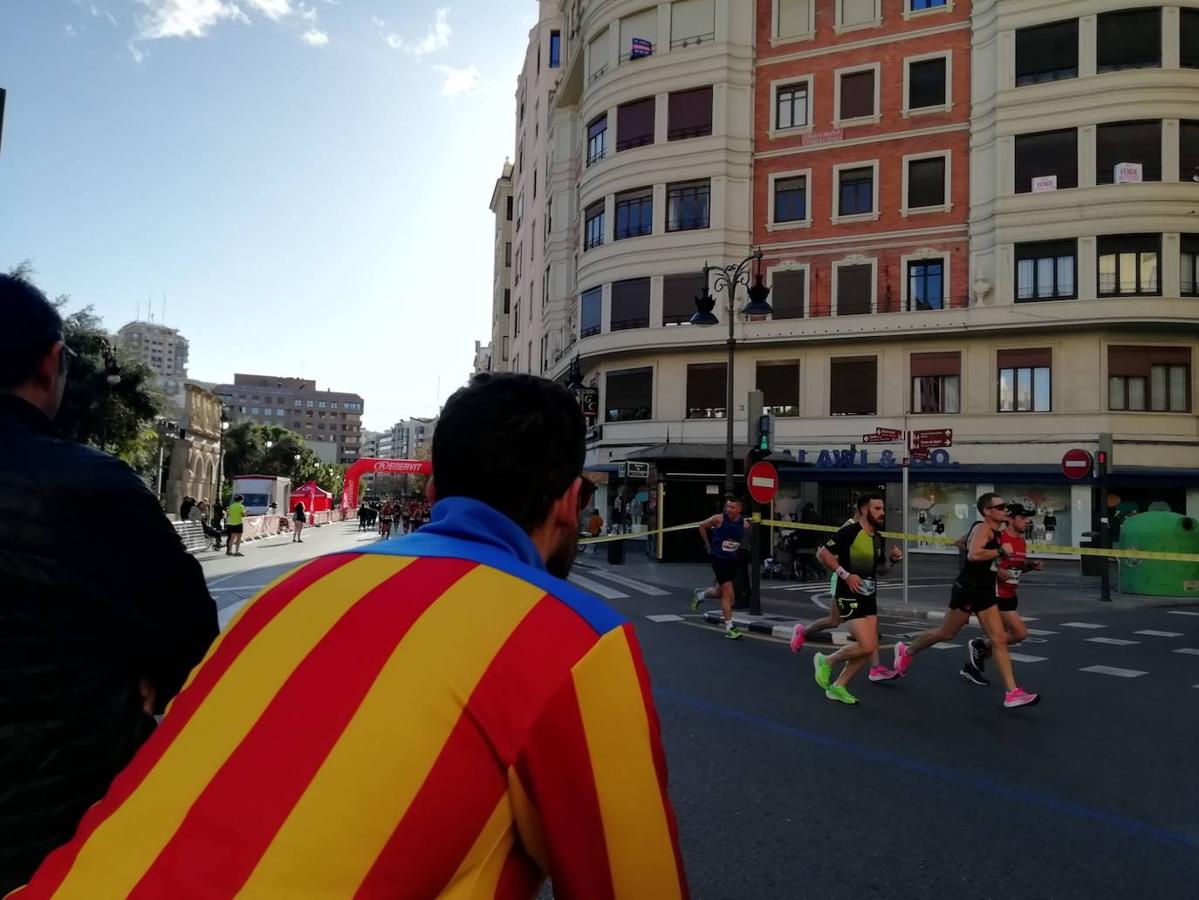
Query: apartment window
pixel 507 300
pixel 920 5
pixel 593 225
pixel 555 49
pixel 1025 380
pixel 1128 142
pixel 791 199
pixel 630 304
pixel 333 405
pixel 794 18
pixel 779 384
pixel 857 12
pixel 678 297
pixel 706 397
pixel 926 285
pixel 1149 378
pixel 597 56
pixel 689 114
pixel 628 395
pixel 853 386
pixel 936 382
pixel 788 292
pixel 688 205
pixel 310 404
pixel 634 213
pixel 635 124
pixel 507 254
pixel 1189 38
pixel 1128 265
pixel 927 80
pixel 855 191
pixel 505 349
pixel 692 22
pixel 1189 284
pixel 597 139
pixel 1129 39
pixel 926 182
pixel 1047 52
pixel 509 210
pixel 857 95
pixel 1188 151
pixel 791 106
pixel 855 289
pixel 254 410
pixel 591 312
pixel 297 403
pixel 1046 270
pixel 1044 154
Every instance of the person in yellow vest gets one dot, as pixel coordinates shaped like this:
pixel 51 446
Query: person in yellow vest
pixel 234 517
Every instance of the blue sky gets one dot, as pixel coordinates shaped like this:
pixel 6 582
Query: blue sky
pixel 305 182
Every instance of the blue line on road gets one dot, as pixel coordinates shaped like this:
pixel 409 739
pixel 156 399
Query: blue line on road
pixel 1066 807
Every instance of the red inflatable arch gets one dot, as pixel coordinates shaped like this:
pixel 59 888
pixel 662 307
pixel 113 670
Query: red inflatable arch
pixel 368 466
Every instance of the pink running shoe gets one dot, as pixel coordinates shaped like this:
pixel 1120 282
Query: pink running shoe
pixel 1020 697
pixel 882 673
pixel 797 639
pixel 902 659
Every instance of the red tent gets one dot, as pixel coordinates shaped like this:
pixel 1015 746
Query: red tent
pixel 314 498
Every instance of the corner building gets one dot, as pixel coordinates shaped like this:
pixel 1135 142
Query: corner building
pixel 872 149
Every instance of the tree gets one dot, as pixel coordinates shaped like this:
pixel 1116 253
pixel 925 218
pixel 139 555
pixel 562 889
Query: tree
pixel 246 453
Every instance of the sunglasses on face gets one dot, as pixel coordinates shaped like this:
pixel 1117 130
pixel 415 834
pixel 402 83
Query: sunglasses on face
pixel 1000 506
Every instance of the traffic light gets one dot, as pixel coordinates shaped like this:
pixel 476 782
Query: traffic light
pixel 765 431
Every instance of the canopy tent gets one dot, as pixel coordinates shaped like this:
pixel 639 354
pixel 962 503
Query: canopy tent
pixel 314 498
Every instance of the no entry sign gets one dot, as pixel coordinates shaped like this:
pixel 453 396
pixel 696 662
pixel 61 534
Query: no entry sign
pixel 1076 463
pixel 763 481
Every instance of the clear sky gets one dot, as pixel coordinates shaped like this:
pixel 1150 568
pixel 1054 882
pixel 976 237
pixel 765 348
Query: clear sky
pixel 306 183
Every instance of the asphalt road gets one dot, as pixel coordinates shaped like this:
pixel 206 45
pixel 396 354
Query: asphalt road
pixel 929 788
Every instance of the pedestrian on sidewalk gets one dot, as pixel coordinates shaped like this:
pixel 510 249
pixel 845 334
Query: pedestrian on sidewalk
pixel 974 593
pixel 96 633
pixel 299 517
pixel 235 517
pixel 528 747
pixel 722 536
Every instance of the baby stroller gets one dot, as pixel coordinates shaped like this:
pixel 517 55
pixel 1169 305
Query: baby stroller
pixel 787 561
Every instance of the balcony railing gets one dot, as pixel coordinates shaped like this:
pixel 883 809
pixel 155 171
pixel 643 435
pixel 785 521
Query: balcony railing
pixel 693 40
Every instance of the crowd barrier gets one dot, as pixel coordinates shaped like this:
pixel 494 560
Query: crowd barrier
pixel 1054 549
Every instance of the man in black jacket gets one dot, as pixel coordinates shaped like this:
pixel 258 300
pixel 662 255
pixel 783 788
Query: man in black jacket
pixel 95 635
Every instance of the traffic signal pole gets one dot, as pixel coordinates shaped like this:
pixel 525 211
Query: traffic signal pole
pixel 753 407
pixel 1102 462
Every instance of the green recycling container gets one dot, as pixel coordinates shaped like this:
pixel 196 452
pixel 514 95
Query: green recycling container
pixel 1164 532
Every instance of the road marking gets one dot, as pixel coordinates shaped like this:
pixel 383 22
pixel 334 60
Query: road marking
pixel 668 617
pixel 1040 632
pixel 1031 619
pixel 1152 633
pixel 1181 612
pixel 1112 670
pixel 596 588
pixel 1025 658
pixel 1115 642
pixel 944 645
pixel 1081 625
pixel 1190 651
pixel 647 589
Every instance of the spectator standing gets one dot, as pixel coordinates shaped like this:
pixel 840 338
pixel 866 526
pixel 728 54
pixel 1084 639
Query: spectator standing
pixel 234 526
pixel 299 517
pixel 96 634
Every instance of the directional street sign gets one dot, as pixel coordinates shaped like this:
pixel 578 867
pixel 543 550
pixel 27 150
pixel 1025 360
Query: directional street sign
pixel 893 434
pixel 932 438
pixel 763 481
pixel 918 453
pixel 1076 463
pixel 877 439
pixel 639 470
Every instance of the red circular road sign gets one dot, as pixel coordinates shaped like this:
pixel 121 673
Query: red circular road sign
pixel 1076 463
pixel 763 481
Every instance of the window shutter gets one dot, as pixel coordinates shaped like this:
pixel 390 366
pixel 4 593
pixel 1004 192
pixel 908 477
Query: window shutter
pixel 854 386
pixel 787 291
pixel 692 21
pixel 1025 358
pixel 857 95
pixel 635 124
pixel 706 386
pixel 931 364
pixel 779 383
pixel 854 290
pixel 630 304
pixel 642 25
pixel 597 54
pixel 857 12
pixel 678 297
pixel 690 113
pixel 629 389
pixel 1138 360
pixel 795 17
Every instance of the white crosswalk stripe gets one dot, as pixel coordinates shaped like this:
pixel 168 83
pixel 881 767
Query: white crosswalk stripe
pixel 1190 651
pixel 1025 658
pixel 596 587
pixel 945 645
pixel 1181 612
pixel 1115 642
pixel 1081 625
pixel 668 617
pixel 1152 633
pixel 639 586
pixel 1112 670
pixel 1039 632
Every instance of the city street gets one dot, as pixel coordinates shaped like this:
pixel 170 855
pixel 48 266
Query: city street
pixel 928 787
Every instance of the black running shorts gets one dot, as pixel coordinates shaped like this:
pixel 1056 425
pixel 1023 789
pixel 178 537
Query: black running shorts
pixel 1008 604
pixel 857 607
pixel 725 570
pixel 970 599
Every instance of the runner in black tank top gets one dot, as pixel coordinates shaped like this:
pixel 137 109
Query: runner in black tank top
pixel 974 592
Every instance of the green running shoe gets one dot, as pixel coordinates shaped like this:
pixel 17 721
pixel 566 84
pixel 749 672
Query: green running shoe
pixel 824 672
pixel 697 597
pixel 732 633
pixel 836 692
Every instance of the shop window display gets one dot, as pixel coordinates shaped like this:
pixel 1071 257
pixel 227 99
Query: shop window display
pixel 941 510
pixel 1051 520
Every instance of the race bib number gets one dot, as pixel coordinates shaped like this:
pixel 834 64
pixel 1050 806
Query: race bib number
pixel 730 546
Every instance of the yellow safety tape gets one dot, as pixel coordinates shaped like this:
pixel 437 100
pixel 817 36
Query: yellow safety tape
pixel 1051 549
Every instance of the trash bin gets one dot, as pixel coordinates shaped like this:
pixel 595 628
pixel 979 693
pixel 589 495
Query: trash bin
pixel 616 553
pixel 1164 532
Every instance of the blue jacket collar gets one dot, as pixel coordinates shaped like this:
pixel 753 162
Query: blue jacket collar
pixel 470 520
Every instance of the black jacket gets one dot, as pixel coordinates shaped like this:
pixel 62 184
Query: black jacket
pixel 96 593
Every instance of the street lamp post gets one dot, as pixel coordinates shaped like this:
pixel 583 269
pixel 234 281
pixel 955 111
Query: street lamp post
pixel 112 377
pixel 726 279
pixel 220 455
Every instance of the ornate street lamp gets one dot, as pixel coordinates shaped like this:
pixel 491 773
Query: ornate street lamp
pixel 220 455
pixel 726 279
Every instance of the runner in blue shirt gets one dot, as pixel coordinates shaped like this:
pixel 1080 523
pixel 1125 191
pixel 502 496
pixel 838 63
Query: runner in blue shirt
pixel 722 536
